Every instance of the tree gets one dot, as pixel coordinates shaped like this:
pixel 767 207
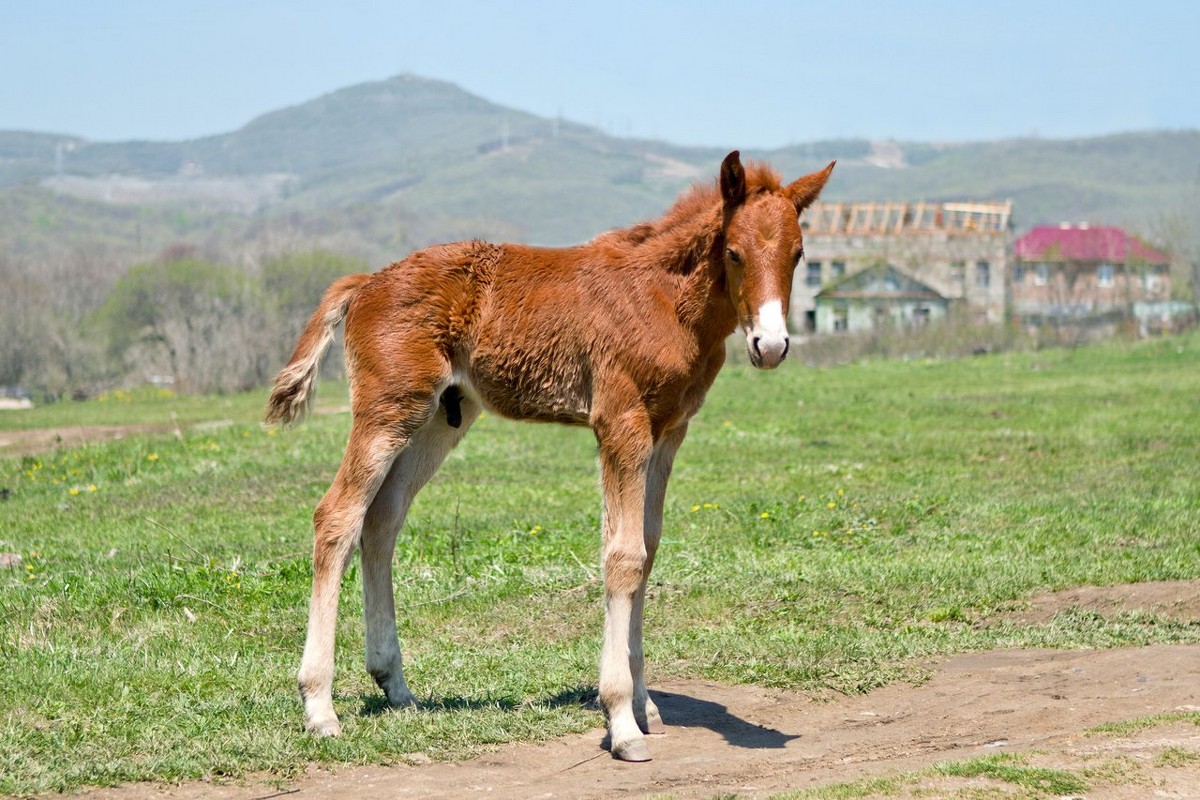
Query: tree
pixel 1180 234
pixel 196 321
pixel 43 342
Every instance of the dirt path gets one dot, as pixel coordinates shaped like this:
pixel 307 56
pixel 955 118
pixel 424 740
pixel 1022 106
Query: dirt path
pixel 755 742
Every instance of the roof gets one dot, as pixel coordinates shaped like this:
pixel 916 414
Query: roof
pixel 881 282
pixel 856 219
pixel 1085 243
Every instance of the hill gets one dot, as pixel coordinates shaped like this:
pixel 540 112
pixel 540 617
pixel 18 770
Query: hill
pixel 444 163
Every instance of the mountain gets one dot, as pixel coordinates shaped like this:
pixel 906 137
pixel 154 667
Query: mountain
pixel 440 162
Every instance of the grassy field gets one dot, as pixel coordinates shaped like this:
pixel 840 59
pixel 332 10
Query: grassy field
pixel 826 531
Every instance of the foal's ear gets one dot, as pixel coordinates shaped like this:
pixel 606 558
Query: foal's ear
pixel 733 180
pixel 803 191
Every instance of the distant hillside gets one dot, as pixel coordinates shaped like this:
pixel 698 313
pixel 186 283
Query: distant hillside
pixel 438 160
pixel 1129 179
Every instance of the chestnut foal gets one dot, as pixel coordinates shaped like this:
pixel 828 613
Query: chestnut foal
pixel 624 334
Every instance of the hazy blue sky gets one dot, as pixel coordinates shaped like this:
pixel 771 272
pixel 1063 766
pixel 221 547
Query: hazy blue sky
pixel 737 74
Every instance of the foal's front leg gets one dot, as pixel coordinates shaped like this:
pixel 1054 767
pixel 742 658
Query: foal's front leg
pixel 624 454
pixel 657 474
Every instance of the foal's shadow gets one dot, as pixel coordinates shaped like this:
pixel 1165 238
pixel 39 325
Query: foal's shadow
pixel 682 711
pixel 678 710
pixel 375 704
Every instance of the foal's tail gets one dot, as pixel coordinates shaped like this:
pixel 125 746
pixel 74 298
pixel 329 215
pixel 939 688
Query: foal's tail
pixel 296 384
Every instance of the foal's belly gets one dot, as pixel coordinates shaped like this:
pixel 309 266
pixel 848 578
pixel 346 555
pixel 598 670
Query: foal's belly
pixel 529 385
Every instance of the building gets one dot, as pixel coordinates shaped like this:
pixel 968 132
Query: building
pixel 877 297
pixel 1076 272
pixel 958 251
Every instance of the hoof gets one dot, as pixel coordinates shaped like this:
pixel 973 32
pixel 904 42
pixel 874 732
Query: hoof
pixel 394 688
pixel 655 727
pixel 403 699
pixel 324 727
pixel 636 750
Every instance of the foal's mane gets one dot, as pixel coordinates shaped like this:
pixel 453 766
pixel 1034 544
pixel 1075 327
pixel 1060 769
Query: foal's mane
pixel 687 233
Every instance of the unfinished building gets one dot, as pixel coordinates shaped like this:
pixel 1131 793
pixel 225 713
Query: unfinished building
pixel 957 250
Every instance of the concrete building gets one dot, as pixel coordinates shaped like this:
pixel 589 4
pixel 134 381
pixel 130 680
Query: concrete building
pixel 958 251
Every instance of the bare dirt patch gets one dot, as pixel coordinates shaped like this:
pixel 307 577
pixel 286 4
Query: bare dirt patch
pixel 1177 600
pixel 755 742
pixel 40 440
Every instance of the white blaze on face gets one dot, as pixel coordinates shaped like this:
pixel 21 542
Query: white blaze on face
pixel 768 341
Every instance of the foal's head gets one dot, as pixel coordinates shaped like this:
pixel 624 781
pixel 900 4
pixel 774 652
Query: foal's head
pixel 762 247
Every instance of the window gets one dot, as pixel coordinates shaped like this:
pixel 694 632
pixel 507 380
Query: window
pixel 1152 279
pixel 1041 274
pixel 1104 276
pixel 813 275
pixel 841 319
pixel 837 269
pixel 1019 273
pixel 957 272
pixel 983 274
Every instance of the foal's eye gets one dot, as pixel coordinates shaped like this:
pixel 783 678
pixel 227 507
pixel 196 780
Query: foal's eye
pixel 734 257
pixel 796 258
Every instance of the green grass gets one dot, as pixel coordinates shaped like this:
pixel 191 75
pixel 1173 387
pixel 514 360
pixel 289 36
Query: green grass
pixel 1012 771
pixel 827 530
pixel 1131 726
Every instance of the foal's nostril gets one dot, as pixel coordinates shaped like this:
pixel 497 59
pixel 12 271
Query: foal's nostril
pixel 754 344
pixel 786 344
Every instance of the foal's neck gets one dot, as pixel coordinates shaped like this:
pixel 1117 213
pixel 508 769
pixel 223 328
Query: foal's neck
pixel 687 243
pixel 703 305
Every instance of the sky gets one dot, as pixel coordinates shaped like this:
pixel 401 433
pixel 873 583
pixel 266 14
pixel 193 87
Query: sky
pixel 726 74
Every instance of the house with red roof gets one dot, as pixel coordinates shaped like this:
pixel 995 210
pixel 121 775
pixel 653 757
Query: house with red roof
pixel 1073 272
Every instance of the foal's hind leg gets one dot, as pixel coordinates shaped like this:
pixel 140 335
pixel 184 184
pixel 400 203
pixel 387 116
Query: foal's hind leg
pixel 414 466
pixel 378 433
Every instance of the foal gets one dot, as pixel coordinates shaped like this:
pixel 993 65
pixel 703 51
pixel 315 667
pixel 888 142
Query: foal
pixel 624 334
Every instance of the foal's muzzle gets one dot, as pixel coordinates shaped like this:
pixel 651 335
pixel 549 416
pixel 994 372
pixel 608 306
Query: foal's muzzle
pixel 767 338
pixel 767 352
